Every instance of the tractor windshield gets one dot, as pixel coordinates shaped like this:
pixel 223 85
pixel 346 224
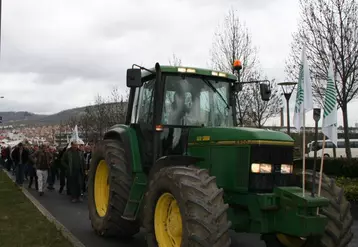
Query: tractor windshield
pixel 196 101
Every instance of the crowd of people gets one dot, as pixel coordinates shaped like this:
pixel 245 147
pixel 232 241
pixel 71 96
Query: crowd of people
pixel 42 166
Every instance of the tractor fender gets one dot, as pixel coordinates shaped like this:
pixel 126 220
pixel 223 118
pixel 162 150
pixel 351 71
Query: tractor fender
pixel 121 134
pixel 173 160
pixel 114 132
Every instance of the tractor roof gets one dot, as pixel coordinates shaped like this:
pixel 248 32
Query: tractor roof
pixel 192 70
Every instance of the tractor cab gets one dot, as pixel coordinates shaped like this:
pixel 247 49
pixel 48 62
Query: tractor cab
pixel 167 101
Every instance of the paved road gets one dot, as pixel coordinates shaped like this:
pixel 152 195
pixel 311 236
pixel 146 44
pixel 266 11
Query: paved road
pixel 75 218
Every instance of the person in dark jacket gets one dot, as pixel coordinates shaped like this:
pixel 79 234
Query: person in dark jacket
pixel 32 169
pixel 73 160
pixel 52 172
pixel 87 157
pixel 6 155
pixel 3 156
pixel 12 163
pixel 62 171
pixel 20 156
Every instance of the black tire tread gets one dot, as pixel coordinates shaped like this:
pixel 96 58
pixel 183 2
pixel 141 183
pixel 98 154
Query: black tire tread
pixel 120 184
pixel 205 223
pixel 338 231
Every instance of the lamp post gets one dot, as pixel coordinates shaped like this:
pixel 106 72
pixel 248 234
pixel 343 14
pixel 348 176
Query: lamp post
pixel 282 120
pixel 287 88
pixel 316 117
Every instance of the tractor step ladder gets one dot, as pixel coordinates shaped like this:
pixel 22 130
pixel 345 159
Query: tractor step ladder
pixel 135 197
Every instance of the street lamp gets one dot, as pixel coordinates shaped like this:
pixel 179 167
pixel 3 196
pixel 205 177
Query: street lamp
pixel 281 111
pixel 287 88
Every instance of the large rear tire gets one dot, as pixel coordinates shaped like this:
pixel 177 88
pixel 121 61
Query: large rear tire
pixel 338 231
pixel 109 185
pixel 194 210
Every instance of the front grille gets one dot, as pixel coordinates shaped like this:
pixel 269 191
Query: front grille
pixel 271 154
pixel 276 155
pixel 265 183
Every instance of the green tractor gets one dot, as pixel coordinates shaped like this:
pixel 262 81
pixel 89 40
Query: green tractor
pixel 181 168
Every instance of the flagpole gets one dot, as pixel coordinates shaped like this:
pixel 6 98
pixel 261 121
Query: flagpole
pixel 303 154
pixel 304 102
pixel 321 168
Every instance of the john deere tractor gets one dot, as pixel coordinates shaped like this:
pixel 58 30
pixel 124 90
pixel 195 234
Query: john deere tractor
pixel 182 169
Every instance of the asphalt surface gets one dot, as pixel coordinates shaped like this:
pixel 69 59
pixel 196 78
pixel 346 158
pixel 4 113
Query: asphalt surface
pixel 74 216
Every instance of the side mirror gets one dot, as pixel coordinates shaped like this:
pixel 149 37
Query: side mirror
pixel 134 78
pixel 265 92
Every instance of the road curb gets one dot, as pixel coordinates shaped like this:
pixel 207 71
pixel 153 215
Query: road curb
pixel 64 231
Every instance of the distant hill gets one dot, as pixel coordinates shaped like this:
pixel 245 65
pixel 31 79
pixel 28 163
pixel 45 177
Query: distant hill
pixel 25 117
pixel 9 117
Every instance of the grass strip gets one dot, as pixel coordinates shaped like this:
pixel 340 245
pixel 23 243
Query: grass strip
pixel 21 224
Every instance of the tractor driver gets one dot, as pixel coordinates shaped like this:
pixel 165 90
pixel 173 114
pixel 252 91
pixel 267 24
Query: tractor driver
pixel 185 109
pixel 179 109
pixel 176 112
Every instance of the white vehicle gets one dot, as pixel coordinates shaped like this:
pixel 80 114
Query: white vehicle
pixel 328 149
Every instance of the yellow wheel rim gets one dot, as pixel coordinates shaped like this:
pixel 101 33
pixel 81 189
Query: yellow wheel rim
pixel 167 222
pixel 289 241
pixel 101 188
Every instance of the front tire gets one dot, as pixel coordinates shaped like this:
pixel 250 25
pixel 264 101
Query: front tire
pixel 338 231
pixel 108 190
pixel 197 205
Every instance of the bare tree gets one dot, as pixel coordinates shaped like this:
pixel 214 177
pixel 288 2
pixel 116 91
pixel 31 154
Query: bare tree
pixel 86 125
pixel 99 115
pixel 72 121
pixel 116 107
pixel 175 61
pixel 103 114
pixel 233 41
pixel 329 28
pixel 89 123
pixel 93 121
pixel 260 111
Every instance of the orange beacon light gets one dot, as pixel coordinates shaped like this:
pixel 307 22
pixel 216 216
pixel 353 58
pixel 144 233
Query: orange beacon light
pixel 237 65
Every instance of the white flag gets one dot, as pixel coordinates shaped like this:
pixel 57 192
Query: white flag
pixel 74 136
pixel 304 99
pixel 329 124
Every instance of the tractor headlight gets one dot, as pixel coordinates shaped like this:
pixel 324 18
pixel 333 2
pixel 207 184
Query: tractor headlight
pixel 286 169
pixel 261 168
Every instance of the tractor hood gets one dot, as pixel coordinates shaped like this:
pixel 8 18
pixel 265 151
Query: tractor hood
pixel 237 134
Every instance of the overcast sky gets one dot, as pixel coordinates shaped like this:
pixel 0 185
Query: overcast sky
pixel 60 54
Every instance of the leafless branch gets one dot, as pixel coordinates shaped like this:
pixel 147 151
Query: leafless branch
pixel 175 61
pixel 233 41
pixel 105 113
pixel 328 28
